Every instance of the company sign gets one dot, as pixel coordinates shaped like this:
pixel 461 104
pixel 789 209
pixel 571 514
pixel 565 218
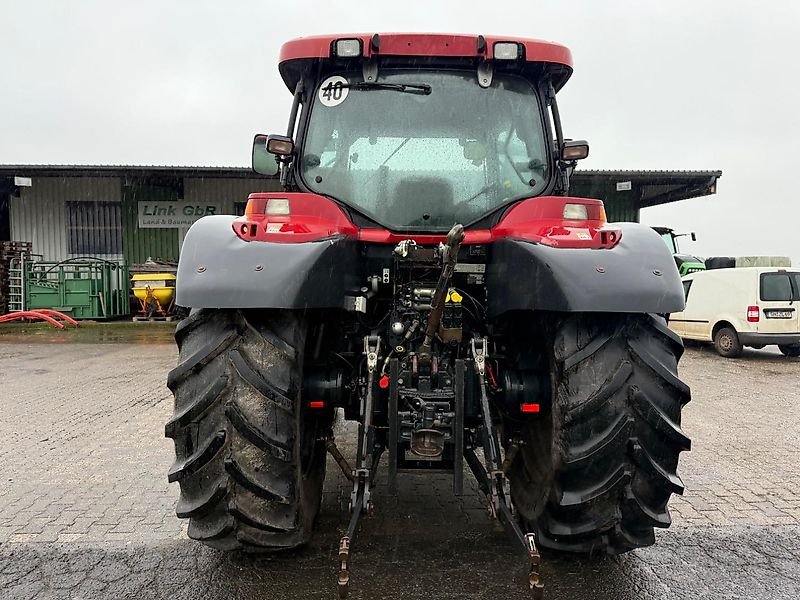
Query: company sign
pixel 174 214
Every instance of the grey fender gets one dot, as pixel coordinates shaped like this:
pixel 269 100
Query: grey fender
pixel 638 275
pixel 217 269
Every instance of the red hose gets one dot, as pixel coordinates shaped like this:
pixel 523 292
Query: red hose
pixel 44 314
pixel 58 315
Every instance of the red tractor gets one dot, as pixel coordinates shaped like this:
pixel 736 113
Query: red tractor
pixel 426 271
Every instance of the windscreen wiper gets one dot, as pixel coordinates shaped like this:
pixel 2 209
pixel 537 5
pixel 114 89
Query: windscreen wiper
pixel 408 88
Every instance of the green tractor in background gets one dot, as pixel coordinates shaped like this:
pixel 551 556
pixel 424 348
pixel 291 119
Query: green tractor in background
pixel 686 263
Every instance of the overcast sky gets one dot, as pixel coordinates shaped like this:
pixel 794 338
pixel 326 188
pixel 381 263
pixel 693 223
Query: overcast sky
pixel 657 85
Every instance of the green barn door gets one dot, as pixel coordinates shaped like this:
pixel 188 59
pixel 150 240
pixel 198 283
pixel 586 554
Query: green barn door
pixel 141 244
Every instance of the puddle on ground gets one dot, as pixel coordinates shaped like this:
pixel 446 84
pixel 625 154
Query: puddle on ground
pixel 90 333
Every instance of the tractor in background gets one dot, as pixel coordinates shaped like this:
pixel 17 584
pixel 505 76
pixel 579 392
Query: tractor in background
pixel 686 263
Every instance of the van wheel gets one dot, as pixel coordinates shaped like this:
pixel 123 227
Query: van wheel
pixel 793 351
pixel 727 343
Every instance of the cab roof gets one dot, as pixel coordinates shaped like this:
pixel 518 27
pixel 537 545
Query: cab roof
pixel 555 58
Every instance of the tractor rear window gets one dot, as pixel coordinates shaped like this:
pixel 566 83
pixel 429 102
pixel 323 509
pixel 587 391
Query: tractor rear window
pixel 423 161
pixel 777 287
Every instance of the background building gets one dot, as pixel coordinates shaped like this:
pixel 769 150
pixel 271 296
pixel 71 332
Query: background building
pixel 140 212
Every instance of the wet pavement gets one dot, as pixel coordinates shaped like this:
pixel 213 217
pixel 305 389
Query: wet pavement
pixel 741 562
pixel 86 512
pixel 89 332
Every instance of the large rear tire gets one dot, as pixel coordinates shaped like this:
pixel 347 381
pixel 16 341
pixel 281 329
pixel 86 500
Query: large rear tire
pixel 597 471
pixel 250 466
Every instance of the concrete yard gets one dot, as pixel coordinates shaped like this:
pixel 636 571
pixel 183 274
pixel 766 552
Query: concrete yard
pixel 86 511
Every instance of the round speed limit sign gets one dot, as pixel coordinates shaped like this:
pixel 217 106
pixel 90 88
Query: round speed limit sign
pixel 333 92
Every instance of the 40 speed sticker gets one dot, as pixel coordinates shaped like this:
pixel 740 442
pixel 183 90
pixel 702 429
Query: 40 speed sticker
pixel 333 92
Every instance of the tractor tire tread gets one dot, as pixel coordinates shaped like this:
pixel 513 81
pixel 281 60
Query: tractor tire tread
pixel 197 408
pixel 616 437
pixel 237 428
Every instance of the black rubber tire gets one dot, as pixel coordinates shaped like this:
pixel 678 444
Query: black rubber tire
pixel 599 467
pixel 790 351
pixel 250 468
pixel 727 344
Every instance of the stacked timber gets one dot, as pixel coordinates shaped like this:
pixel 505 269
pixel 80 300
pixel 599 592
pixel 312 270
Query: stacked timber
pixel 10 253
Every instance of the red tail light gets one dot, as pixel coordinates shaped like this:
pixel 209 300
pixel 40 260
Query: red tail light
pixel 560 222
pixel 291 218
pixel 752 314
pixel 529 407
pixel 316 404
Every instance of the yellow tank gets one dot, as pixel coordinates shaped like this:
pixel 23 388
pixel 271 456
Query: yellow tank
pixel 160 286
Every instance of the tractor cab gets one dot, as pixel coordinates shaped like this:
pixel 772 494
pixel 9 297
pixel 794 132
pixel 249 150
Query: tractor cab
pixel 414 132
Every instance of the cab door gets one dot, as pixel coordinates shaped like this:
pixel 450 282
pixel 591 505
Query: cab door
pixel 779 302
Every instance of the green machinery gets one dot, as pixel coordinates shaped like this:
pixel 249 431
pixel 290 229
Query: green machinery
pixel 84 288
pixel 686 263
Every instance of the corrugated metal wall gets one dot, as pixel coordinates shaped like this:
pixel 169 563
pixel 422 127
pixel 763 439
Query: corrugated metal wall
pixel 620 206
pixel 39 215
pixel 95 228
pixel 141 244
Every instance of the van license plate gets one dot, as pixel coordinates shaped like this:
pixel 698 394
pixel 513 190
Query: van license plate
pixel 778 314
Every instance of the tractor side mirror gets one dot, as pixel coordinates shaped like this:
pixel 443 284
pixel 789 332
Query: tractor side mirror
pixel 694 237
pixel 264 162
pixel 575 150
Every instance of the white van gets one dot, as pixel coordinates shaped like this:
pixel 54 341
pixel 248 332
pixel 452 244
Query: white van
pixel 736 307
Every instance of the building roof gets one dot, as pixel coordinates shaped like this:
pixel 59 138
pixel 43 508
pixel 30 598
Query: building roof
pixel 646 188
pixel 122 170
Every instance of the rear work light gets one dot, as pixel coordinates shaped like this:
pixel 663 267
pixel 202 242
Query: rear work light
pixel 752 314
pixel 506 51
pixel 277 206
pixel 575 212
pixel 279 144
pixel 347 48
pixel 575 150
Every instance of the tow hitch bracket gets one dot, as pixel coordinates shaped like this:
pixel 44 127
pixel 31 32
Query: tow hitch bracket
pixel 366 466
pixel 489 473
pixel 534 560
pixel 492 478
